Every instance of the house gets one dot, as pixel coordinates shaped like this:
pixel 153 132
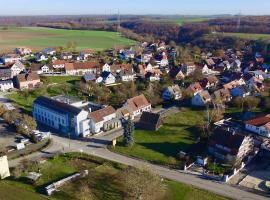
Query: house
pixel 66 56
pixel 6 85
pixel 209 70
pixel 229 146
pixel 176 73
pixel 68 119
pixel 208 82
pixel 27 81
pixel 202 98
pixel 123 113
pixel 222 96
pixel 23 51
pixel 49 51
pixel 17 68
pixel 195 88
pixel 150 121
pixel 81 68
pixel 107 78
pixel 5 73
pixel 85 54
pixel 88 77
pixel 104 120
pixel 41 57
pixel 11 58
pixel 58 64
pixel 189 68
pixel 172 93
pixel 259 125
pixel 240 91
pixel 163 63
pixel 137 105
pixel 106 68
pixel 40 69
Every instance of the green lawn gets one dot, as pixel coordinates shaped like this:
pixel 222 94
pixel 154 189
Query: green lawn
pixel 103 181
pixel 248 35
pixel 178 133
pixel 53 86
pixel 38 38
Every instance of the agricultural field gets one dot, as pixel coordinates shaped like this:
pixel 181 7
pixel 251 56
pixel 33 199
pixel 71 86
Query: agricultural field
pixel 38 38
pixel 249 36
pixel 183 21
pixel 178 133
pixel 103 181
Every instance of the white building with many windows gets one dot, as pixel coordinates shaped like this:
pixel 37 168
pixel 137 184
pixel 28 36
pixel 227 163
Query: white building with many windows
pixel 62 116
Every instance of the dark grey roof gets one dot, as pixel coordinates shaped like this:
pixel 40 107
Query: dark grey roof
pixel 57 106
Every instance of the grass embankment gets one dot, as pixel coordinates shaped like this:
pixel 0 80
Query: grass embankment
pixel 178 133
pixel 103 181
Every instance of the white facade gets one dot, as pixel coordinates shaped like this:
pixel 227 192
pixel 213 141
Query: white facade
pixel 62 121
pixel 4 167
pixel 106 68
pixel 75 72
pixel 96 127
pixel 126 78
pixel 16 69
pixel 6 85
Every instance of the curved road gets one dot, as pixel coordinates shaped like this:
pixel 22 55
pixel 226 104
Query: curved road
pixel 97 146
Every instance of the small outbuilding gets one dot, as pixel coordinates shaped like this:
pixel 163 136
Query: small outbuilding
pixel 150 121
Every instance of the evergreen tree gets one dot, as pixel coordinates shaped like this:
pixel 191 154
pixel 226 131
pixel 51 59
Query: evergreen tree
pixel 128 133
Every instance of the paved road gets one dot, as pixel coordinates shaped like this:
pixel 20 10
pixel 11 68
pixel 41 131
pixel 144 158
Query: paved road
pixel 97 146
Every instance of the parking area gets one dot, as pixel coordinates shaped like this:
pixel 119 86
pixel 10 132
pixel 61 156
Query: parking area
pixel 8 135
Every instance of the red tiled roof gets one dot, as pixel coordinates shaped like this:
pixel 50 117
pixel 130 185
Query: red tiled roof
pixel 138 102
pixel 259 121
pixel 98 115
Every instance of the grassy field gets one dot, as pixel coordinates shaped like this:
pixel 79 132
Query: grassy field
pixel 249 35
pixel 38 38
pixel 53 86
pixel 103 181
pixel 178 133
pixel 183 21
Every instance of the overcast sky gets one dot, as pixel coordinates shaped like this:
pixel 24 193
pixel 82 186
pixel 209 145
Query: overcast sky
pixel 199 7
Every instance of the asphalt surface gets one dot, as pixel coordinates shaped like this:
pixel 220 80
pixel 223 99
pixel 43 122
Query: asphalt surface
pixel 97 146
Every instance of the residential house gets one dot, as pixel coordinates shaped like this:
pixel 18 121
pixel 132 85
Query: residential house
pixel 11 58
pixel 137 105
pixel 208 82
pixel 17 68
pixel 202 98
pixel 41 69
pixel 85 54
pixel 259 125
pixel 81 68
pixel 150 121
pixel 240 91
pixel 172 93
pixel 66 56
pixel 68 119
pixel 189 68
pixel 229 146
pixel 41 57
pixel 23 51
pixel 27 81
pixel 49 51
pixel 104 120
pixel 176 73
pixel 6 85
pixel 5 73
pixel 58 64
pixel 195 88
pixel 89 77
pixel 107 78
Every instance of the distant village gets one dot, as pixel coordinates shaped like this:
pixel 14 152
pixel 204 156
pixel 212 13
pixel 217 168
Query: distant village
pixel 212 84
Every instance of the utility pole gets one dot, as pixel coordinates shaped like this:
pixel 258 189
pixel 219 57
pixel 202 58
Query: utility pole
pixel 238 22
pixel 119 22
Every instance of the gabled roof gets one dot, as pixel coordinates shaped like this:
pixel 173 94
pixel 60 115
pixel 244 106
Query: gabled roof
pixel 259 121
pixel 60 107
pixel 82 65
pixel 98 116
pixel 28 77
pixel 59 62
pixel 138 102
pixel 227 139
